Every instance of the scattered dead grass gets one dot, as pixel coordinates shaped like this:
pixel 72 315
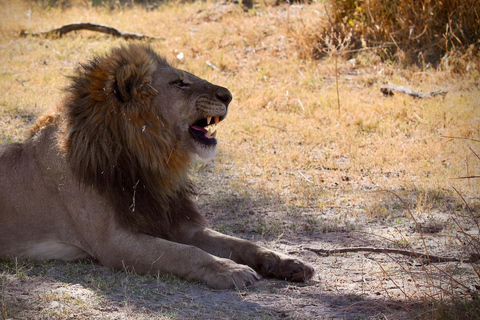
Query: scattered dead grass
pixel 292 168
pixel 423 32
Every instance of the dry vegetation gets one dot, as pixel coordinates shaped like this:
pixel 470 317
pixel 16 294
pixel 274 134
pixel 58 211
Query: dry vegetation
pixel 411 31
pixel 312 155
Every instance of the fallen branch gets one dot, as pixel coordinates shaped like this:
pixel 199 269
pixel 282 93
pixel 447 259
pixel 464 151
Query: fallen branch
pixel 428 257
pixel 468 177
pixel 59 32
pixel 450 137
pixel 388 91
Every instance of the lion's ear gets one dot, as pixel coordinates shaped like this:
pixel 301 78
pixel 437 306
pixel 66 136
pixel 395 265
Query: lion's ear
pixel 132 80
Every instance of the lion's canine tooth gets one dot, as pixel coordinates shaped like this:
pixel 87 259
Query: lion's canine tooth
pixel 217 119
pixel 209 119
pixel 208 134
pixel 214 134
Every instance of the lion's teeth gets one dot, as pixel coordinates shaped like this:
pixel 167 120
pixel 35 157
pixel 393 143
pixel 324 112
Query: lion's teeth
pixel 208 134
pixel 209 119
pixel 214 134
pixel 216 119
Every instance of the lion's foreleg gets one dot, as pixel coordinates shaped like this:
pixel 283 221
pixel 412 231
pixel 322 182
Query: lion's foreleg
pixel 115 246
pixel 266 262
pixel 150 255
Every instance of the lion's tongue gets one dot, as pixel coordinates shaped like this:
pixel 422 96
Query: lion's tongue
pixel 199 129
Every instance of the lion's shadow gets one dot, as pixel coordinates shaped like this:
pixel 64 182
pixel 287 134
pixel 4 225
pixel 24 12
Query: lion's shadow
pixel 246 215
pixel 104 292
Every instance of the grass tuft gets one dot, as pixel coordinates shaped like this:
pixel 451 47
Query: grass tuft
pixel 421 32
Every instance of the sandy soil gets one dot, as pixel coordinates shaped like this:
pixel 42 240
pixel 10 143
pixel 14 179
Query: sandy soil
pixel 349 286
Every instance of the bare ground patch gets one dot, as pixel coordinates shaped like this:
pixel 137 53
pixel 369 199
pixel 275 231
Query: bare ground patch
pixel 350 286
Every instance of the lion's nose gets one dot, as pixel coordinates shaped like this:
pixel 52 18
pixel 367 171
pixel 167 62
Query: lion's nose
pixel 224 95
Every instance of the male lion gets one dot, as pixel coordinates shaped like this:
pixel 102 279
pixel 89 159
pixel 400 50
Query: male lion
pixel 105 176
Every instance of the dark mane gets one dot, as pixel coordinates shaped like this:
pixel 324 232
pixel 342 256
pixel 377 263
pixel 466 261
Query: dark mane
pixel 108 133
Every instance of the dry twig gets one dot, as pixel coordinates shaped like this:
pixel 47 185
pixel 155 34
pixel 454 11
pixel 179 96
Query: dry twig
pixel 463 138
pixel 429 257
pixel 59 32
pixel 388 91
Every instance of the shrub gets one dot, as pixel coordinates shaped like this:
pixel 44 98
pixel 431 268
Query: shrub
pixel 409 30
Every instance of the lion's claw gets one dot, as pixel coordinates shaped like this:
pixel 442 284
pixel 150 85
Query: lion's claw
pixel 286 268
pixel 231 275
pixel 293 270
pixel 243 278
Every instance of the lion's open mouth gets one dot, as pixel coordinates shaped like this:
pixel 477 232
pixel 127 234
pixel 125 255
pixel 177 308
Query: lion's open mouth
pixel 201 130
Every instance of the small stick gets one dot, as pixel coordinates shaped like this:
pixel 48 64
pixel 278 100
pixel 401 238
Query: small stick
pixel 464 138
pixel 336 82
pixel 388 91
pixel 304 177
pixel 431 258
pixel 468 177
pixel 478 157
pixel 211 65
pixel 267 125
pixel 59 32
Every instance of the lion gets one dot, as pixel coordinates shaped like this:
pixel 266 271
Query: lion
pixel 105 177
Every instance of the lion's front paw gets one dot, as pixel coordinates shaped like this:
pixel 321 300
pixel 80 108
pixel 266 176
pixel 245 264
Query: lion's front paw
pixel 286 268
pixel 227 274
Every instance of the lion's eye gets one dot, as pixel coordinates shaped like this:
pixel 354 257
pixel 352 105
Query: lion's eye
pixel 180 84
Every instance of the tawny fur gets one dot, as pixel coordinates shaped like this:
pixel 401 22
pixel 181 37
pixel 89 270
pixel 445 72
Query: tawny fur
pixel 143 170
pixel 105 176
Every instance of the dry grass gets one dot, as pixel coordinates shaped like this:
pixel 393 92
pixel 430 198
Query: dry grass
pixel 418 31
pixel 286 143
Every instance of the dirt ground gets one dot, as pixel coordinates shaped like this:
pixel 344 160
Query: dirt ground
pixel 346 286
